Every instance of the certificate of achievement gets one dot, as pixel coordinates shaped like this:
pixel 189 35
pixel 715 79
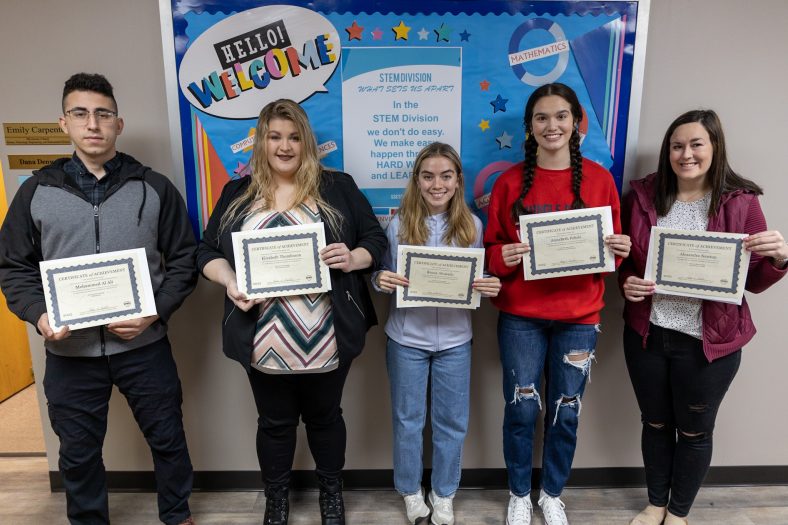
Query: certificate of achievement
pixel 568 242
pixel 439 276
pixel 274 262
pixel 98 289
pixel 701 264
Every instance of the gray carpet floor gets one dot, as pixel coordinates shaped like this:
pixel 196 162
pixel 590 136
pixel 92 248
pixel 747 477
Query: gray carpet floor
pixel 25 499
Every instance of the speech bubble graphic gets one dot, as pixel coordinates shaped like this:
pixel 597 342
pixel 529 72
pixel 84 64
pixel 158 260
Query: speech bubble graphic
pixel 254 57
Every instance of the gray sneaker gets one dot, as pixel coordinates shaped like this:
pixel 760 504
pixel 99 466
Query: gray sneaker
pixel 442 510
pixel 415 508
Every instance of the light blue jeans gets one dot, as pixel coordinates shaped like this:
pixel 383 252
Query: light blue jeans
pixel 527 347
pixel 449 373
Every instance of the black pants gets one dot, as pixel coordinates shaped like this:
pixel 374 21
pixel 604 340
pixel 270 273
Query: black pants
pixel 281 400
pixel 78 390
pixel 679 393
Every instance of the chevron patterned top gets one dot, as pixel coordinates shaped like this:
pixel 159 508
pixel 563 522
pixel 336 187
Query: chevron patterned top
pixel 294 334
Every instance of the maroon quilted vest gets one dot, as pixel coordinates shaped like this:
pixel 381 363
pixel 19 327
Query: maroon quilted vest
pixel 726 327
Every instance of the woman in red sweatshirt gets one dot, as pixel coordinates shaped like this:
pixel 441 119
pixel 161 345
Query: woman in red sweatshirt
pixel 544 321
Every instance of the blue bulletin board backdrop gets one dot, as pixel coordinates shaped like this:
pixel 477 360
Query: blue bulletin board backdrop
pixel 378 83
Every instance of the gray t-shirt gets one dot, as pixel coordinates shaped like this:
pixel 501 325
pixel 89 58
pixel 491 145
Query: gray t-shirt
pixel 682 314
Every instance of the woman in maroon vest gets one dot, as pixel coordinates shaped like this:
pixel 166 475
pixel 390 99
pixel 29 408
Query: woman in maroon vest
pixel 682 353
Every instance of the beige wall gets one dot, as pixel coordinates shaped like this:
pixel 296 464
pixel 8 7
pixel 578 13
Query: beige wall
pixel 723 54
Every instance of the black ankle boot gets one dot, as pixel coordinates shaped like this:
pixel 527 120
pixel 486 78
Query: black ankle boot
pixel 277 508
pixel 332 506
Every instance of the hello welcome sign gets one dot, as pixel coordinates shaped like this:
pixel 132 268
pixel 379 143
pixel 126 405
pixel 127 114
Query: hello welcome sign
pixel 232 75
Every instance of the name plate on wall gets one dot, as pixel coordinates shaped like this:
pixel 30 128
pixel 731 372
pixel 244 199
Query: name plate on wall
pixel 33 162
pixel 34 134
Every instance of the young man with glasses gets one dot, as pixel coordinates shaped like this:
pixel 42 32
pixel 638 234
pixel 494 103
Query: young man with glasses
pixel 97 201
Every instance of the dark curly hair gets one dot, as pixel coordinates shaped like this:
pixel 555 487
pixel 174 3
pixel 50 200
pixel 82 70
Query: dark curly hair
pixel 88 82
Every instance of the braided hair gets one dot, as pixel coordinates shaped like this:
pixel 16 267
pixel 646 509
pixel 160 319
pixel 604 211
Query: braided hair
pixel 577 167
pixel 529 169
pixel 531 147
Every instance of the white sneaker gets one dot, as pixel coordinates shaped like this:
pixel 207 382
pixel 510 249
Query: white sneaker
pixel 519 511
pixel 553 510
pixel 415 507
pixel 442 510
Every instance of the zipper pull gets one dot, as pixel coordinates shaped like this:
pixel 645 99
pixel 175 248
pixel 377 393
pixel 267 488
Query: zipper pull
pixel 95 222
pixel 350 298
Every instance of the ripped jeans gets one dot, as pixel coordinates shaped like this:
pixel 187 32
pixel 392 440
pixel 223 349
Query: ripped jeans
pixel 679 393
pixel 564 351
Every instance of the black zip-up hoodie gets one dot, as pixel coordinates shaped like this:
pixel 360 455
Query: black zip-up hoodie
pixel 50 218
pixel 350 300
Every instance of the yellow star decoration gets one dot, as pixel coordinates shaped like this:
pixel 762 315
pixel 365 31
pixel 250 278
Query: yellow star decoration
pixel 401 31
pixel 484 124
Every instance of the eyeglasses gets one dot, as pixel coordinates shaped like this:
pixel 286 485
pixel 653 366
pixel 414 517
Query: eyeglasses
pixel 81 116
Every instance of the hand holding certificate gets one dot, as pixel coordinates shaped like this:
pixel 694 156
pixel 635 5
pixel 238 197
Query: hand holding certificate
pixel 439 276
pixel 281 261
pixel 567 243
pixel 95 290
pixel 701 264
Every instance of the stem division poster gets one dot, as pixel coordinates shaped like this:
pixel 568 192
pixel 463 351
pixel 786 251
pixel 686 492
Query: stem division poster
pixel 380 80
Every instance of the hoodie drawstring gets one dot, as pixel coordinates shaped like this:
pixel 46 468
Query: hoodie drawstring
pixel 144 198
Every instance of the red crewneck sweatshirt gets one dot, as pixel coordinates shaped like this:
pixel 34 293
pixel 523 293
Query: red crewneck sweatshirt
pixel 573 299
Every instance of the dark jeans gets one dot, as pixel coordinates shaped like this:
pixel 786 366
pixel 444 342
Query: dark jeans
pixel 78 390
pixel 679 393
pixel 281 400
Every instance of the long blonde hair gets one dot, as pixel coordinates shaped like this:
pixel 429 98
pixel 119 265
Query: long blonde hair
pixel 413 211
pixel 259 195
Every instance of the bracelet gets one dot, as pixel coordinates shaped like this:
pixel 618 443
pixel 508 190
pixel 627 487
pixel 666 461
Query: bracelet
pixel 781 263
